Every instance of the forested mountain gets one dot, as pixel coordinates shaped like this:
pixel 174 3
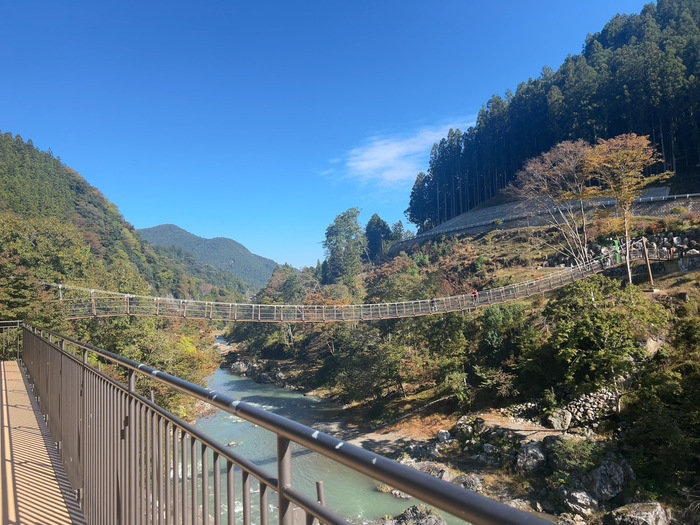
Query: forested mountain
pixel 39 193
pixel 220 252
pixel 640 74
pixel 54 226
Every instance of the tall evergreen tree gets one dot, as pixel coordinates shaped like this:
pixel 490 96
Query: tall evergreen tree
pixel 378 237
pixel 345 243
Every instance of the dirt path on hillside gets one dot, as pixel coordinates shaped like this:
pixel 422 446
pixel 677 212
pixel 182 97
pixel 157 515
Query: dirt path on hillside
pixel 393 439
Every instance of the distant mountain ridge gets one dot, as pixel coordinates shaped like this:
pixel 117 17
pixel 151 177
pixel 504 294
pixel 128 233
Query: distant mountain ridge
pixel 55 226
pixel 220 252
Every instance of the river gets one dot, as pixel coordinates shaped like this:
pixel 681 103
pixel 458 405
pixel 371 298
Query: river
pixel 349 493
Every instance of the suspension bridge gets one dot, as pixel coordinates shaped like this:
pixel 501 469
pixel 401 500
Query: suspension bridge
pixel 80 302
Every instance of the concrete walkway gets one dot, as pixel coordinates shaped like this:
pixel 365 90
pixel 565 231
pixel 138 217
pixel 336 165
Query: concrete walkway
pixel 33 485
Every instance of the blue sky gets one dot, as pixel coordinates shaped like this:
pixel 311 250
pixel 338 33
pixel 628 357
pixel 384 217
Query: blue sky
pixel 262 121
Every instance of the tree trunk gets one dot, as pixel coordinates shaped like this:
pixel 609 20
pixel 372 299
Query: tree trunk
pixel 626 213
pixel 663 145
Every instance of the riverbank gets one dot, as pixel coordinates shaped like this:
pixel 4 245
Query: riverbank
pixel 412 440
pixel 504 454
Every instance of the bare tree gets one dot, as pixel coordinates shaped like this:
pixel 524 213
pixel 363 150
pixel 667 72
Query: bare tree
pixel 557 184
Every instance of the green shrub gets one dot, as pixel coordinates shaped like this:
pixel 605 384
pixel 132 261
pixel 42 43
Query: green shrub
pixel 571 458
pixel 548 401
pixel 679 210
pixel 478 264
pixel 421 259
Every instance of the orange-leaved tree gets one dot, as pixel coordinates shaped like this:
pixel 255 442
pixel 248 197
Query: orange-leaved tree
pixel 621 165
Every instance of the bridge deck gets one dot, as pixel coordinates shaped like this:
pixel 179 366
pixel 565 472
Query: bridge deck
pixel 33 485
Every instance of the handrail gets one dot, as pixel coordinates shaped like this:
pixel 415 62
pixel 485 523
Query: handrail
pixel 10 339
pixel 103 303
pixel 464 504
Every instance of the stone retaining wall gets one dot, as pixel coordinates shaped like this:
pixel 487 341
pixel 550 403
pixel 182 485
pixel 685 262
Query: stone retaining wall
pixel 515 215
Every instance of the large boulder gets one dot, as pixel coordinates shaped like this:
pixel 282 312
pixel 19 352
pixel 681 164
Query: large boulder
pixel 530 456
pixel 432 468
pixel 415 515
pixel 637 514
pixel 239 367
pixel 559 419
pixel 578 501
pixel 606 481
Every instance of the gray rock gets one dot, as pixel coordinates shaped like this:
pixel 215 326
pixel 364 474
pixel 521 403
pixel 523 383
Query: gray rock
pixel 559 419
pixel 606 481
pixel 420 450
pixel 437 470
pixel 578 501
pixel 483 459
pixel 415 515
pixel 463 429
pixel 637 514
pixel 490 449
pixel 265 378
pixel 567 518
pixel 530 456
pixel 469 481
pixel 443 435
pixel 519 504
pixel 239 367
pixel 400 495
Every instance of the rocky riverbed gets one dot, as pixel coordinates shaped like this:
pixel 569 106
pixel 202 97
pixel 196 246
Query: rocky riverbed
pixel 505 455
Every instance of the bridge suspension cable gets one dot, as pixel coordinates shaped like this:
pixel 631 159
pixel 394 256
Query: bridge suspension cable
pixel 101 303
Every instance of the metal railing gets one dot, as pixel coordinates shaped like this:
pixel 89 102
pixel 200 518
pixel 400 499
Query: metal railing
pixel 10 340
pixel 102 303
pixel 130 461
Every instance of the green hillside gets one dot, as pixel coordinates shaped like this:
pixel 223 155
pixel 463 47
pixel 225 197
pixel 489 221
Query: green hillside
pixel 220 252
pixel 37 188
pixel 54 226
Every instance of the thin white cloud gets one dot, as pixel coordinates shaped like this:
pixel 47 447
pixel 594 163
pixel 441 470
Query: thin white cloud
pixel 396 160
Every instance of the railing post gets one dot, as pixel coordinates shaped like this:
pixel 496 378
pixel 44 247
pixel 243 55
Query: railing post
pixel 82 427
pixel 131 447
pixel 284 477
pixel 320 493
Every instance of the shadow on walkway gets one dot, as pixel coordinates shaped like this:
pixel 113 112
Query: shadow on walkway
pixel 34 488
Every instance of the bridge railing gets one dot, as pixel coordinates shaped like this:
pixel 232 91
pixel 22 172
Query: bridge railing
pixel 10 340
pixel 131 461
pixel 106 304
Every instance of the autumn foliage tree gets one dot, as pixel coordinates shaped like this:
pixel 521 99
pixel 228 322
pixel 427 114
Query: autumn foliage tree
pixel 621 166
pixel 557 184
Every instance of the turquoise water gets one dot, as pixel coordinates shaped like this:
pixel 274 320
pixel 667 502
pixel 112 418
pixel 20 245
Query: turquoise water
pixel 351 494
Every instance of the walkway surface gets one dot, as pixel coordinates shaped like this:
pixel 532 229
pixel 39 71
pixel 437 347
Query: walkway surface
pixel 33 485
